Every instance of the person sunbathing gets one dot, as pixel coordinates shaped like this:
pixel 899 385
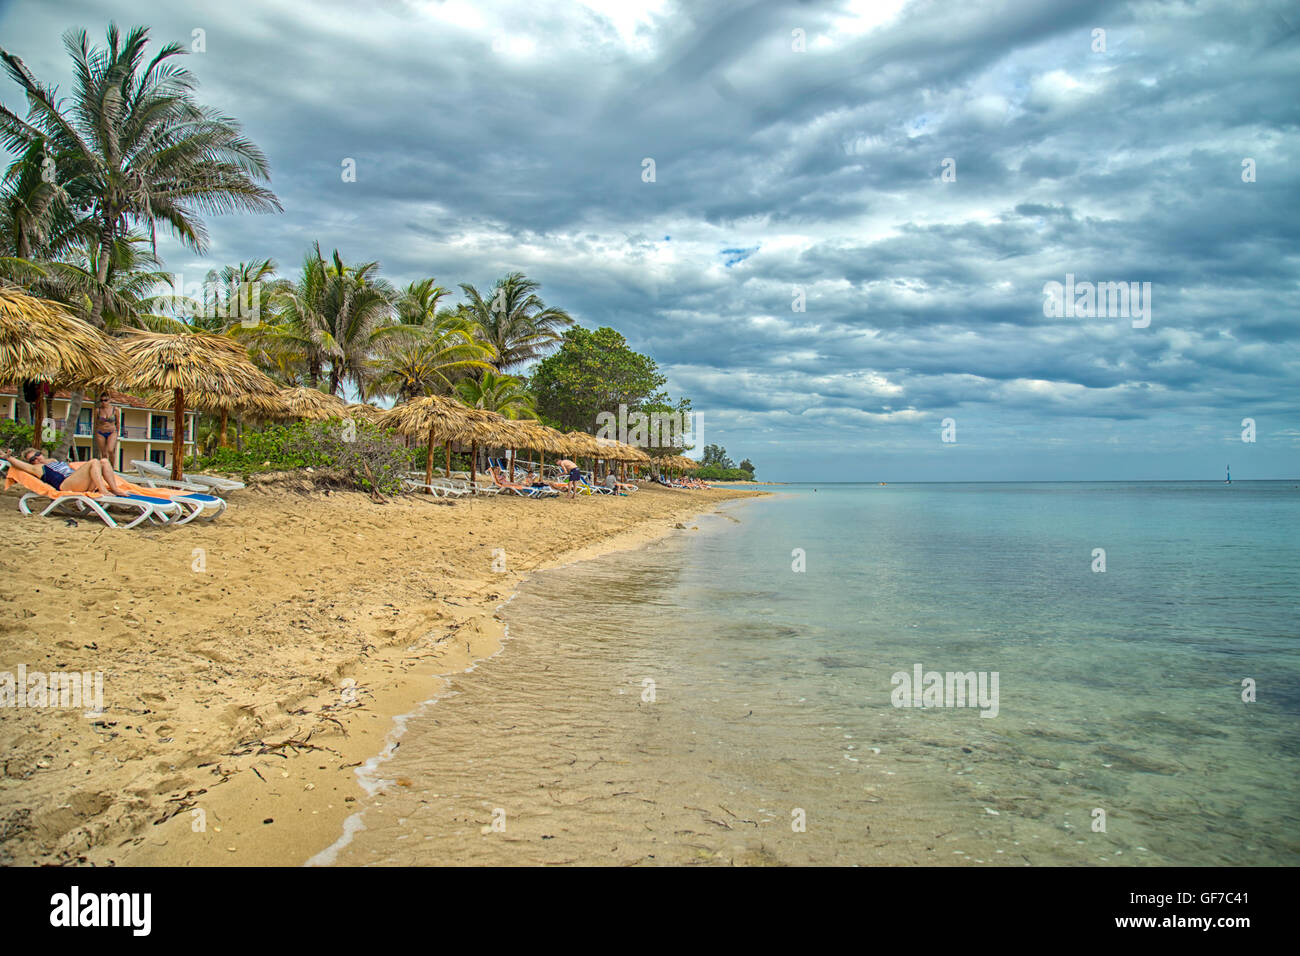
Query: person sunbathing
pixel 499 477
pixel 95 475
pixel 613 484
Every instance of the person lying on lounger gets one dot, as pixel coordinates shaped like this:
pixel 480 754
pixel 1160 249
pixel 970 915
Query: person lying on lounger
pixel 613 484
pixel 499 477
pixel 96 475
pixel 535 480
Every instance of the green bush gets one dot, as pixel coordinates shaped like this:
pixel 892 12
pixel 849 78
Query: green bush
pixel 18 436
pixel 372 458
pixel 718 473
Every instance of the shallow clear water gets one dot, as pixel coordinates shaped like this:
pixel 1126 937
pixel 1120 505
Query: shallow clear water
pixel 1118 691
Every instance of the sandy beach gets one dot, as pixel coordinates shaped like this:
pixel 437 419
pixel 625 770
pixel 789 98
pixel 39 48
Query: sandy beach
pixel 250 665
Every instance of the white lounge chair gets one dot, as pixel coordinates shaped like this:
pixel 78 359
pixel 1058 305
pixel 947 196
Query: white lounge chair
pixel 439 487
pixel 194 503
pixel 152 472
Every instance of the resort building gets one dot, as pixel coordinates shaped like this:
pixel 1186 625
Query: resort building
pixel 146 433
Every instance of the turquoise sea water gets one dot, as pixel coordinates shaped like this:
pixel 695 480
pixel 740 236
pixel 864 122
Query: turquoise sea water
pixel 701 700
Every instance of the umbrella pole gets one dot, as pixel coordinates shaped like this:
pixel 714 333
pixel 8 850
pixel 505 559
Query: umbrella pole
pixel 449 460
pixel 225 420
pixel 512 464
pixel 40 417
pixel 473 462
pixel 178 434
pixel 428 465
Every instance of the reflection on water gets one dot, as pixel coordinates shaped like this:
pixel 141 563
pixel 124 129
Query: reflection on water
pixel 697 701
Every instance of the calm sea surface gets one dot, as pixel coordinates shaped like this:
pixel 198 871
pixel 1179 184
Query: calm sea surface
pixel 701 700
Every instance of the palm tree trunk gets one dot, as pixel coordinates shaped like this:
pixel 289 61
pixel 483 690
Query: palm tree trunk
pixel 428 465
pixel 40 415
pixel 178 435
pixel 97 320
pixel 70 424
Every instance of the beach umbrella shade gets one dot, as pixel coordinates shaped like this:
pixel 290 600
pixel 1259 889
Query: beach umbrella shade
pixel 311 404
pixel 487 428
pixel 369 413
pixel 582 444
pixel 41 341
pixel 540 438
pixel 182 362
pixel 437 418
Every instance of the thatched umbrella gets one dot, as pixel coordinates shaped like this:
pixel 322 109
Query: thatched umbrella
pixel 540 438
pixel 622 453
pixel 369 413
pixel 41 341
pixel 489 428
pixel 189 361
pixel 440 419
pixel 311 404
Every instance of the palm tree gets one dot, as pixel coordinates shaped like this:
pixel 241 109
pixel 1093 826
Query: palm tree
pixel 430 359
pixel 358 314
pixel 235 294
pixel 324 328
pixel 514 320
pixel 288 343
pixel 418 303
pixel 494 392
pixel 132 147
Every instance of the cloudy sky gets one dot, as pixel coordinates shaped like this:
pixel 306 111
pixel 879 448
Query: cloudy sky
pixel 915 172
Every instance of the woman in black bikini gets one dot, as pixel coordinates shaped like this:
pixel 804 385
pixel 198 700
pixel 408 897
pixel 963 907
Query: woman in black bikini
pixel 94 475
pixel 107 429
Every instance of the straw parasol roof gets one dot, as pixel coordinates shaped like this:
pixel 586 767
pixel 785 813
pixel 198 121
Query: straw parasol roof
pixel 42 341
pixel 255 404
pixel 613 450
pixel 582 444
pixel 543 438
pixel 188 361
pixel 441 419
pixel 370 413
pixel 311 404
pixel 681 463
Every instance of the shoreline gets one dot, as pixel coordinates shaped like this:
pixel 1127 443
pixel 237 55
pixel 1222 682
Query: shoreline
pixel 271 778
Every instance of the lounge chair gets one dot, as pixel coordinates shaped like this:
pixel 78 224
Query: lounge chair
pixel 146 507
pixel 152 472
pixel 439 487
pixel 194 504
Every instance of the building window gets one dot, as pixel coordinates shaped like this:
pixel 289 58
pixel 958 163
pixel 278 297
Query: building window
pixel 158 457
pixel 158 428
